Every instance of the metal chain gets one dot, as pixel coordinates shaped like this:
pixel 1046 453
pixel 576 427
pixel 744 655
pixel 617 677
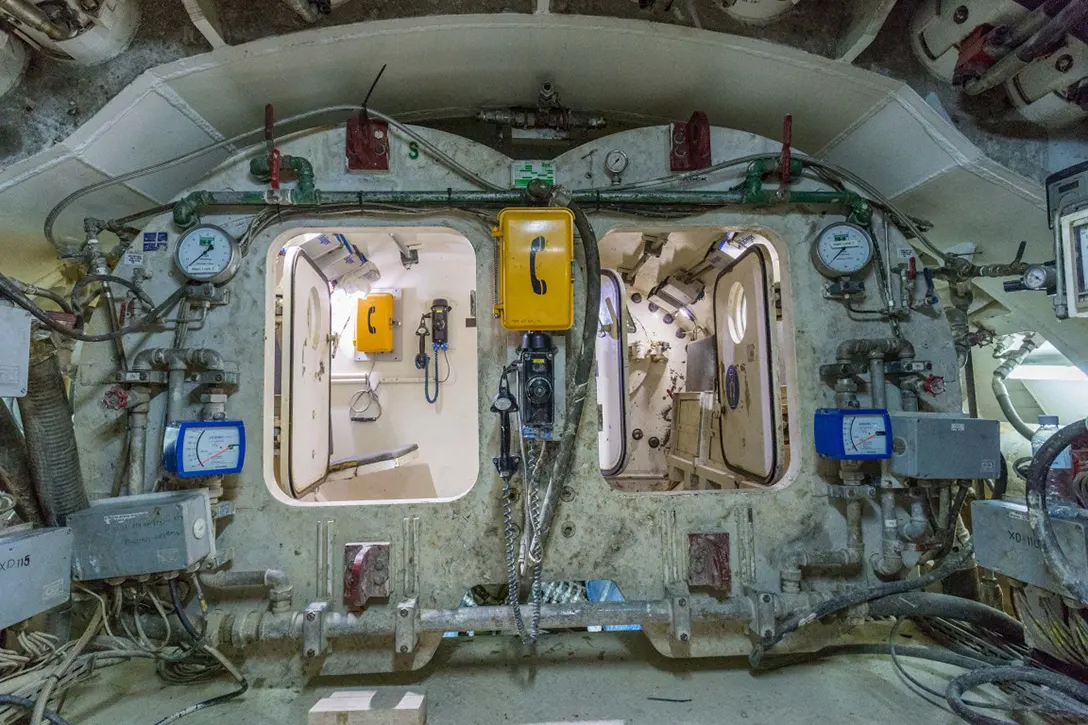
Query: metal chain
pixel 513 583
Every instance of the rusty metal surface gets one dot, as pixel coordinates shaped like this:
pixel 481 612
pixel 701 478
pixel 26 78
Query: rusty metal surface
pixel 708 561
pixel 366 573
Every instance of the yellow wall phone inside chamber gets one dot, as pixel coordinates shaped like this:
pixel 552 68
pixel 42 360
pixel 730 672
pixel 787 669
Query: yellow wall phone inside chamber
pixel 374 323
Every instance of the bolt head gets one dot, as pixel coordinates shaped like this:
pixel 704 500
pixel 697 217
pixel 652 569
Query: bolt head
pixel 404 649
pixel 960 15
pixel 1064 63
pixel 404 612
pixel 311 653
pixel 311 616
pixel 682 602
pixel 684 637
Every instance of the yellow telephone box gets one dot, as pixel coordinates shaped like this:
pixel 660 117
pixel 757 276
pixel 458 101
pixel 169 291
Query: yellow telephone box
pixel 536 282
pixel 374 323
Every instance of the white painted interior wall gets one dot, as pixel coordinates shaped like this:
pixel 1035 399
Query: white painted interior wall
pixel 444 431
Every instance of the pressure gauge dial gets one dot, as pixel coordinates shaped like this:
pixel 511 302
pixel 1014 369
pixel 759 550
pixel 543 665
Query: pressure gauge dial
pixel 842 250
pixel 205 448
pixel 865 434
pixel 207 254
pixel 615 162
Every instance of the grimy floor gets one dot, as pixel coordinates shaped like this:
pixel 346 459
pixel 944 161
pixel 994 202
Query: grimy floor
pixel 583 679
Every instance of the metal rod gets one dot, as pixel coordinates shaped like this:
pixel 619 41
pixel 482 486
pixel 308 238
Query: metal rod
pixel 28 14
pixel 187 209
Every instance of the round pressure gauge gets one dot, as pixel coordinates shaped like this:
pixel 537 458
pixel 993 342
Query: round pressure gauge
pixel 842 250
pixel 615 161
pixel 207 254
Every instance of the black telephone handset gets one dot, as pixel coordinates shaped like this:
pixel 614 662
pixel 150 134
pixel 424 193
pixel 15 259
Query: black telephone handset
pixel 540 287
pixel 369 320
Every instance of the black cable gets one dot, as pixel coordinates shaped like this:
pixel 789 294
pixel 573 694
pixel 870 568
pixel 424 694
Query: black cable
pixel 28 705
pixel 1066 574
pixel 583 367
pixel 180 611
pixel 931 604
pixel 933 654
pixel 78 304
pixel 858 596
pixel 211 702
pixel 969 680
pixel 32 291
pixel 10 290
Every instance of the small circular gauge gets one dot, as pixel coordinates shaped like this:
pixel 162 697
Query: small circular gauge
pixel 207 254
pixel 1037 277
pixel 615 161
pixel 502 403
pixel 842 250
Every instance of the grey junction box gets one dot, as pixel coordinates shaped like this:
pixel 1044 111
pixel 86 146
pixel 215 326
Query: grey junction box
pixel 1005 543
pixel 35 572
pixel 144 534
pixel 944 446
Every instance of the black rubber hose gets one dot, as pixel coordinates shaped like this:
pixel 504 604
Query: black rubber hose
pixel 1065 573
pixel 582 372
pixel 15 477
pixel 78 303
pixel 858 596
pixel 51 438
pixel 930 604
pixel 28 705
pixel 934 654
pixel 10 290
pixel 992 675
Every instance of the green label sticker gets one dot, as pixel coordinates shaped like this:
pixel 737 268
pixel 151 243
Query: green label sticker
pixel 525 171
pixel 413 150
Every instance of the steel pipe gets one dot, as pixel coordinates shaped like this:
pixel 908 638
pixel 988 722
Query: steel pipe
pixel 254 627
pixel 28 14
pixel 1001 391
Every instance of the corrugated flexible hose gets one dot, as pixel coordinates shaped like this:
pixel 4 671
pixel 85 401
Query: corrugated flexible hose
pixel 51 439
pixel 15 478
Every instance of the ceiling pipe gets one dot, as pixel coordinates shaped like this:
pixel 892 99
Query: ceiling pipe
pixel 28 14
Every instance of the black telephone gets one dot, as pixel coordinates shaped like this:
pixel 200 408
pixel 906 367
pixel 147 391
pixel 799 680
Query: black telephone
pixel 540 287
pixel 369 325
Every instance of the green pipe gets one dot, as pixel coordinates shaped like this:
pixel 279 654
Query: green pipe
pixel 187 209
pixel 303 170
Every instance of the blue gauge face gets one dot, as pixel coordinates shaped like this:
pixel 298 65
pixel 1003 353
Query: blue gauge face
pixel 208 448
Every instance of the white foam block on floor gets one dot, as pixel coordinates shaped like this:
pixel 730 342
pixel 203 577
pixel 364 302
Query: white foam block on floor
pixel 382 706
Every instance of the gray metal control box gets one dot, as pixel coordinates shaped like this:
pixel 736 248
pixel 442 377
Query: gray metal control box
pixel 944 446
pixel 1005 542
pixel 35 572
pixel 144 534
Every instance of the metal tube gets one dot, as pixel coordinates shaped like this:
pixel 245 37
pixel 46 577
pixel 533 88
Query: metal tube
pixel 137 426
pixel 850 349
pixel 28 14
pixel 876 382
pixel 891 560
pixel 264 627
pixel 175 391
pixel 275 581
pixel 1001 392
pixel 186 209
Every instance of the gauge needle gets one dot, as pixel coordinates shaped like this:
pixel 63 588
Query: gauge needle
pixel 839 254
pixel 201 256
pixel 863 441
pixel 216 455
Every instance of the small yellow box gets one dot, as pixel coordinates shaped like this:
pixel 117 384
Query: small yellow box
pixel 374 323
pixel 536 281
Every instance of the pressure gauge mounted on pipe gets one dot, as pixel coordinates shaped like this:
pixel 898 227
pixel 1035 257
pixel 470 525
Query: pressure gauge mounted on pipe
pixel 842 250
pixel 208 254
